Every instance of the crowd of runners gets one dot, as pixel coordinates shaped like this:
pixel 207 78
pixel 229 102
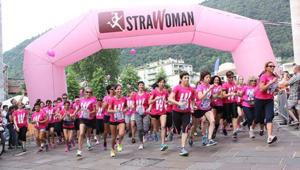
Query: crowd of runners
pixel 211 106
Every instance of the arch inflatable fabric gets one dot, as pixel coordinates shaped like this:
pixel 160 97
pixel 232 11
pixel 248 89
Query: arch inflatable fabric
pixel 46 57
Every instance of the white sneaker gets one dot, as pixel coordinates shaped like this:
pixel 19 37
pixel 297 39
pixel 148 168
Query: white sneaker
pixel 251 134
pixel 141 147
pixel 272 139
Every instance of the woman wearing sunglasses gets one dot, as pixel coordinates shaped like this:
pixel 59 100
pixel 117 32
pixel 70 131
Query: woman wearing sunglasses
pixel 264 99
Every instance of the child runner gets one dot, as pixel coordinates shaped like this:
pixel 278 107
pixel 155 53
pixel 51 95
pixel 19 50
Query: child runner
pixel 182 97
pixel 158 99
pixel 117 107
pixel 20 122
pixel 40 120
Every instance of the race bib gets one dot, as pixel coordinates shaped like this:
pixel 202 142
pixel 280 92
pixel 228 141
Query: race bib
pixel 85 114
pixel 205 104
pixel 185 106
pixel 119 116
pixel 140 110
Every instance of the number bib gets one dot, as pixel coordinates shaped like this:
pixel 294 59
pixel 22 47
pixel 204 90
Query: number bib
pixel 140 110
pixel 85 114
pixel 185 106
pixel 205 104
pixel 119 116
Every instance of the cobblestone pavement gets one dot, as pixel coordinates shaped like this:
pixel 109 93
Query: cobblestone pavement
pixel 243 154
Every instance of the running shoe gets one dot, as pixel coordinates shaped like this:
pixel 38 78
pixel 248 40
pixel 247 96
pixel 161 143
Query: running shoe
pixel 119 147
pixel 112 153
pixel 67 149
pixel 89 147
pixel 141 147
pixel 183 152
pixel 170 137
pixel 224 132
pixel 191 141
pixel 211 143
pixel 133 141
pixel 97 142
pixel 251 134
pixel 163 147
pixel 79 154
pixel 204 140
pixel 272 139
pixel 234 135
pixel 261 133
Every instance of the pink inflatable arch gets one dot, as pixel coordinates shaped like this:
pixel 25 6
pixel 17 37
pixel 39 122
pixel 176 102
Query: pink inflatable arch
pixel 46 58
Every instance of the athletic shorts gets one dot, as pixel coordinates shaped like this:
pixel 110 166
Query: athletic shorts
pixel 129 118
pixel 99 126
pixel 106 118
pixel 199 113
pixel 230 111
pixel 22 133
pixel 157 117
pixel 58 127
pixel 87 122
pixel 50 125
pixel 220 110
pixel 169 123
pixel 76 123
pixel 115 123
pixel 182 122
pixel 68 125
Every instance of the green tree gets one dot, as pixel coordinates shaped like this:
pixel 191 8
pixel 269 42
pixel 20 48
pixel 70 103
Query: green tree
pixel 72 83
pixel 129 77
pixel 98 82
pixel 106 59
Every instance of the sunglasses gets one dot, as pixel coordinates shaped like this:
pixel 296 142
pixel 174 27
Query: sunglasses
pixel 252 80
pixel 271 66
pixel 111 89
pixel 88 92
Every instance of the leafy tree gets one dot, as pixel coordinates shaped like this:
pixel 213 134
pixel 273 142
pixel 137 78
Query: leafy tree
pixel 106 59
pixel 98 83
pixel 72 83
pixel 129 78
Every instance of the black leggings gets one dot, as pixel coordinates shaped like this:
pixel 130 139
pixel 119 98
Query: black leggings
pixel 250 115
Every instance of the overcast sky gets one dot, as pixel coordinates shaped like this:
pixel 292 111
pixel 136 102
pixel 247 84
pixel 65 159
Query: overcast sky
pixel 23 19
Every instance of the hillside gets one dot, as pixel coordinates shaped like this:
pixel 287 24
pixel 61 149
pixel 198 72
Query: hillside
pixel 200 58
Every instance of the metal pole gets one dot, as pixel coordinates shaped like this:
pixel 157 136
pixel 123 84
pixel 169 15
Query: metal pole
pixel 2 82
pixel 295 17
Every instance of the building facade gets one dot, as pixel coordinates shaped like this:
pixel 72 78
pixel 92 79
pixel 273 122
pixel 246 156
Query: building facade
pixel 171 67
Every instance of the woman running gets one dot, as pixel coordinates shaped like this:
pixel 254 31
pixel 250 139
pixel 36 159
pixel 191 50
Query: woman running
pixel 158 99
pixel 229 102
pixel 130 115
pixel 51 124
pixel 217 103
pixel 20 122
pixel 99 121
pixel 87 113
pixel 40 121
pixel 117 107
pixel 68 117
pixel 182 97
pixel 203 108
pixel 142 109
pixel 264 99
pixel 110 90
pixel 248 102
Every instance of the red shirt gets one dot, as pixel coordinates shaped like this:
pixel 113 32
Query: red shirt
pixel 50 112
pixel 99 112
pixel 141 102
pixel 21 117
pixel 186 95
pixel 158 107
pixel 120 105
pixel 87 105
pixel 40 116
pixel 229 88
